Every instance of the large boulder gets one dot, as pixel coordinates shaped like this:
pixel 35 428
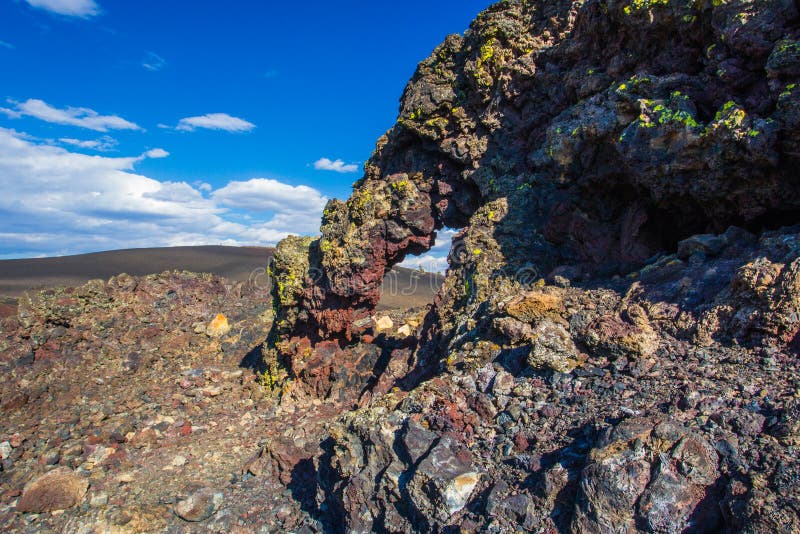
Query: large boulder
pixel 648 475
pixel 59 489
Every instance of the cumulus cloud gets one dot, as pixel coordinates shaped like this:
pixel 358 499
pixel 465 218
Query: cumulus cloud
pixel 429 263
pixel 60 202
pixel 81 117
pixel 263 194
pixel 215 121
pixel 153 62
pixel 435 260
pixel 156 153
pixel 103 144
pixel 175 192
pixel 70 8
pixel 324 164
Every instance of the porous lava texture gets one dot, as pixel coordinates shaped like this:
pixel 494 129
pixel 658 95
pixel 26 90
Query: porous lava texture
pixel 667 401
pixel 615 345
pixel 614 348
pixel 580 136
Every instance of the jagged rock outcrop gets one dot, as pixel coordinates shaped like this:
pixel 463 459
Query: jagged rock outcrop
pixel 676 412
pixel 608 130
pixel 614 348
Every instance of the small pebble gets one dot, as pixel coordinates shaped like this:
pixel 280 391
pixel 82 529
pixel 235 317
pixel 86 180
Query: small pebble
pixel 99 499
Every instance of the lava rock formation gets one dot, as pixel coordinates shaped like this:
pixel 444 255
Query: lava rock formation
pixel 615 345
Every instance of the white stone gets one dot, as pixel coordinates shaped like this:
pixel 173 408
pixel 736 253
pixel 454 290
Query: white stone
pixel 99 499
pixel 405 330
pixel 384 323
pixel 5 450
pixel 458 491
pixel 99 455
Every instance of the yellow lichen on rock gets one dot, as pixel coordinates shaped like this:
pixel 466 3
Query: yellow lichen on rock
pixel 218 326
pixel 536 305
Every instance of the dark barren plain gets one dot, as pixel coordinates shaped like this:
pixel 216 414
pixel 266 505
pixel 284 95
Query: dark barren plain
pixel 404 287
pixel 234 263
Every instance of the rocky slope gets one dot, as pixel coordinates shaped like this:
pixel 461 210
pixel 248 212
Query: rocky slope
pixel 614 349
pixel 138 404
pixel 665 402
pixel 615 346
pixel 121 387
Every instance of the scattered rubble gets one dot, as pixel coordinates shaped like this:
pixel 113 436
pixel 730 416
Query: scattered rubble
pixel 615 344
pixel 614 347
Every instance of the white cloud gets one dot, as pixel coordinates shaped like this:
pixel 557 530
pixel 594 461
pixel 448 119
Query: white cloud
pixel 71 8
pixel 175 192
pixel 7 45
pixel 153 62
pixel 324 164
pixel 156 153
pixel 11 113
pixel 428 262
pixel 263 194
pixel 215 121
pixel 103 144
pixel 435 260
pixel 81 117
pixel 60 202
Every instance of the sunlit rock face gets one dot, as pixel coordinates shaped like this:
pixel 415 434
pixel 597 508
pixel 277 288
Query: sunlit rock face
pixel 615 345
pixel 566 136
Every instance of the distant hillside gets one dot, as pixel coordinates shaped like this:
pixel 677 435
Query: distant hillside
pixel 234 263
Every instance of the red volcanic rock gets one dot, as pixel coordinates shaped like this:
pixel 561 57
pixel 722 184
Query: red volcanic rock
pixel 58 489
pixel 564 137
pixel 614 347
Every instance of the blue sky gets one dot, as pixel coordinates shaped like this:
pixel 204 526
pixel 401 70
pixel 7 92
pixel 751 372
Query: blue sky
pixel 152 123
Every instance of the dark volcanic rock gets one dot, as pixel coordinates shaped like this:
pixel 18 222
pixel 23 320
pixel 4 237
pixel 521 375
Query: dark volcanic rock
pixel 615 345
pixel 609 131
pixel 649 474
pixel 400 474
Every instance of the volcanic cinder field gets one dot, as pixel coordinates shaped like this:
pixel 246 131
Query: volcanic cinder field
pixel 403 288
